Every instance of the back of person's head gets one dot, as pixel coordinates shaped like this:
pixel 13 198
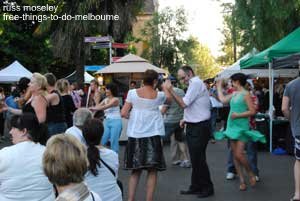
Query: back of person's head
pixel 95 82
pixel 80 116
pixel 51 79
pixel 62 85
pixel 113 88
pixel 36 132
pixel 15 93
pixel 133 83
pixel 240 77
pixel 23 84
pixel 92 132
pixel 187 69
pixel 40 80
pixel 149 77
pixel 65 160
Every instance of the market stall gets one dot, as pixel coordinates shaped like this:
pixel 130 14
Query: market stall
pixel 13 73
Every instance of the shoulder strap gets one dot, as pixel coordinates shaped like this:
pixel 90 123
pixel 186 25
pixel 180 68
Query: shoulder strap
pixel 92 196
pixel 110 169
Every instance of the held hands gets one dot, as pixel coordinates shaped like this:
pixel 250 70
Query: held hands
pixel 167 85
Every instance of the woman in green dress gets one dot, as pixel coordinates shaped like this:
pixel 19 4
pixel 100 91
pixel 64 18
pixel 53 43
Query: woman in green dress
pixel 238 129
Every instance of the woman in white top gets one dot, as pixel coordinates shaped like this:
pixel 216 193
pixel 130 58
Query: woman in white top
pixel 103 163
pixel 113 121
pixel 65 163
pixel 21 170
pixel 145 127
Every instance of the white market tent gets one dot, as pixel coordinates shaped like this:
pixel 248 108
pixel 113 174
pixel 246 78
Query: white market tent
pixel 13 73
pixel 130 64
pixel 87 77
pixel 236 68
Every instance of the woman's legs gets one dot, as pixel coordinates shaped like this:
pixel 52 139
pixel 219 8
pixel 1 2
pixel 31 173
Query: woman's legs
pixel 132 184
pixel 242 160
pixel 106 134
pixel 115 132
pixel 236 161
pixel 151 183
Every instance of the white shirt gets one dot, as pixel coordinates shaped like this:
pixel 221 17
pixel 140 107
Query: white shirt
pixel 76 132
pixel 145 119
pixel 21 173
pixel 112 112
pixel 105 184
pixel 197 102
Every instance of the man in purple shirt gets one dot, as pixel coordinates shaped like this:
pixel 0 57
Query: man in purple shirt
pixel 196 118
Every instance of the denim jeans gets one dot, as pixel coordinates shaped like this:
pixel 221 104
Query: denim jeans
pixel 251 148
pixel 56 128
pixel 112 132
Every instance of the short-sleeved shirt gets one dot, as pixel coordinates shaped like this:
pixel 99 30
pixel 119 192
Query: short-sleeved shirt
pixel 292 92
pixel 21 173
pixel 197 102
pixel 174 113
pixel 105 183
pixel 145 119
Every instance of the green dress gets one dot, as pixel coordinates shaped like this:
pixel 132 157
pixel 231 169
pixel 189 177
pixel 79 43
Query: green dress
pixel 239 129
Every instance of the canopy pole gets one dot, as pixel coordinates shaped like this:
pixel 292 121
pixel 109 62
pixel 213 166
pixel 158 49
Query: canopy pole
pixel 271 82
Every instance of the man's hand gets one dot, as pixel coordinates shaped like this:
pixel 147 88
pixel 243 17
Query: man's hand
pixel 181 123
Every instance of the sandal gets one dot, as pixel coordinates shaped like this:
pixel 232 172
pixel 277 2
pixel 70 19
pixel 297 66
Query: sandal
pixel 243 187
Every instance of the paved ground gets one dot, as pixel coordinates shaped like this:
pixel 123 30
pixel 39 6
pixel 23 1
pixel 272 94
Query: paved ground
pixel 276 174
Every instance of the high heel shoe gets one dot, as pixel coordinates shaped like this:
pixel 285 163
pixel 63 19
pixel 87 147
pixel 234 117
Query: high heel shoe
pixel 243 187
pixel 252 181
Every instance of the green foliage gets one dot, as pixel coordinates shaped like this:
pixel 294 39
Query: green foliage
pixel 18 43
pixel 200 58
pixel 167 48
pixel 163 34
pixel 257 24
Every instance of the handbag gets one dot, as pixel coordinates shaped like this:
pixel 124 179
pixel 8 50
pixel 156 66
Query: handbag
pixel 114 174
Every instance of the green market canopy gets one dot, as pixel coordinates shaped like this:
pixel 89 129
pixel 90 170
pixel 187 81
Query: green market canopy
pixel 286 46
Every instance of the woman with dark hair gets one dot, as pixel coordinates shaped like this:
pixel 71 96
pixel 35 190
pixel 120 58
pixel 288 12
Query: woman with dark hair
pixel 21 171
pixel 238 130
pixel 145 127
pixel 113 121
pixel 103 163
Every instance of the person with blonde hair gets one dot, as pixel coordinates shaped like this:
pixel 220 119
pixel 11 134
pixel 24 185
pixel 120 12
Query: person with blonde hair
pixel 56 118
pixel 65 163
pixel 62 85
pixel 37 103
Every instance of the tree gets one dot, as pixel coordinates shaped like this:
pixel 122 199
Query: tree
pixel 163 34
pixel 231 34
pixel 201 59
pixel 18 43
pixel 67 36
pixel 262 23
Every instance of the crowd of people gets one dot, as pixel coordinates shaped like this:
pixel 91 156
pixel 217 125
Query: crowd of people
pixel 67 140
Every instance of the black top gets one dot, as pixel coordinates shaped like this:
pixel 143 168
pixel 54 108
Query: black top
pixel 69 107
pixel 55 113
pixel 27 108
